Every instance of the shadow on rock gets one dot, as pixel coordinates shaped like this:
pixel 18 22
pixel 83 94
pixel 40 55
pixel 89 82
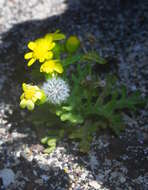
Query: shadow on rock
pixel 106 21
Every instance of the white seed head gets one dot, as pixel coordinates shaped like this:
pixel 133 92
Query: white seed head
pixel 56 90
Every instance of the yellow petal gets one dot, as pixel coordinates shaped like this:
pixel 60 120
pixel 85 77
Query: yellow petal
pixel 28 55
pixel 58 68
pixel 22 96
pixel 34 99
pixel 41 69
pixel 23 103
pixel 41 60
pixel 48 37
pixel 30 105
pixel 45 68
pixel 36 87
pixel 31 62
pixel 38 95
pixel 49 55
pixel 31 45
pixel 43 98
pixel 24 86
pixel 49 70
pixel 51 46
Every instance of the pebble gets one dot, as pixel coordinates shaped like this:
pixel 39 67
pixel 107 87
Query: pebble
pixel 95 185
pixel 1 142
pixel 2 131
pixel 122 179
pixel 100 177
pixel 45 177
pixel 39 181
pixel 7 176
pixel 114 174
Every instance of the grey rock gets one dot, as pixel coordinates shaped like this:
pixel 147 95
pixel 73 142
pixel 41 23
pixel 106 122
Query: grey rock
pixel 7 176
pixel 114 174
pixel 45 177
pixel 122 179
pixel 39 181
pixel 95 185
pixel 1 142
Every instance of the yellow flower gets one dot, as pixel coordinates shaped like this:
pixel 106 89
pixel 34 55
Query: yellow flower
pixel 41 50
pixel 30 96
pixel 51 66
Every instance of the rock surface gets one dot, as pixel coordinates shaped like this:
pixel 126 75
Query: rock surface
pixel 118 30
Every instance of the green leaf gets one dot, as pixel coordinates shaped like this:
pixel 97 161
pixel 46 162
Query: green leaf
pixel 71 60
pixel 49 150
pixel 57 51
pixel 77 119
pixel 43 115
pixel 44 140
pixel 93 56
pixel 129 101
pixel 56 35
pixel 116 124
pixel 67 108
pixel 51 141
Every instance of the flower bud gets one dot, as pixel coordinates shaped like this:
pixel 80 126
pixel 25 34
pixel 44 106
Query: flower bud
pixel 72 44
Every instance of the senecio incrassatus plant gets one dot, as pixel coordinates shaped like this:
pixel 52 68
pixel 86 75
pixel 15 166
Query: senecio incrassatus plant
pixel 72 97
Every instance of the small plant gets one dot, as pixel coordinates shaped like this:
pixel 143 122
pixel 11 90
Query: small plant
pixel 72 103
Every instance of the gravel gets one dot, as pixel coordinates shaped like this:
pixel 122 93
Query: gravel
pixel 118 30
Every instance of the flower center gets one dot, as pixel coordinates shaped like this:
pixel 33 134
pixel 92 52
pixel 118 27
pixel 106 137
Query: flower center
pixel 29 94
pixel 41 49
